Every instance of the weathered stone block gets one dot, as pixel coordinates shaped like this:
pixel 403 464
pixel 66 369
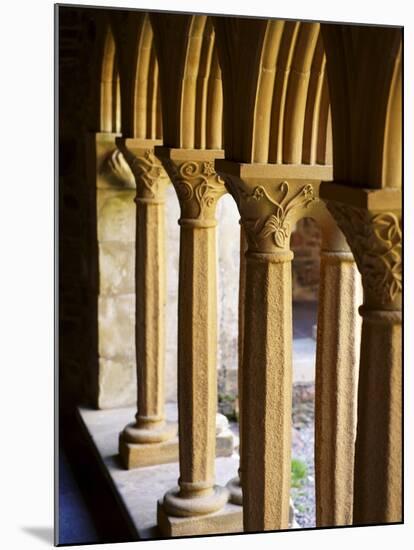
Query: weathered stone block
pixel 116 326
pixel 116 215
pixel 117 383
pixel 112 171
pixel 227 520
pixel 116 268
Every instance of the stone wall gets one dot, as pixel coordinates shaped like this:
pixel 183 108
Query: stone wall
pixel 115 220
pixel 76 327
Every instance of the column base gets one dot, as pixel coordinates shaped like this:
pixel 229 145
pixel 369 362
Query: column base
pixel 227 520
pixel 236 497
pixel 235 490
pixel 137 455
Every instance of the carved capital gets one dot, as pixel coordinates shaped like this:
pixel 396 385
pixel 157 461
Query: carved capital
pixel 198 187
pixel 375 239
pixel 269 209
pixel 150 176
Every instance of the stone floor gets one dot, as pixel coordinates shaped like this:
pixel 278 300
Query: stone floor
pixel 139 489
pixel 76 522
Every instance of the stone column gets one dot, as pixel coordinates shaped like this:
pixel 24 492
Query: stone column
pixel 235 484
pixel 371 221
pixel 198 189
pixel 268 208
pixel 337 364
pixel 143 442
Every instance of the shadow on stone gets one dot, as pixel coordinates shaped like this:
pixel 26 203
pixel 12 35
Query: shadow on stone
pixel 43 533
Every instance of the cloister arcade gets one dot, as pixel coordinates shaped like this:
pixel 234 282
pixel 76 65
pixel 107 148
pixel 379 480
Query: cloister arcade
pixel 292 119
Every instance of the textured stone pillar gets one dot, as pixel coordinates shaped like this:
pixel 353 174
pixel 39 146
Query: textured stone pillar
pixel 267 394
pixel 143 441
pixel 268 208
pixel 198 189
pixel 371 221
pixel 337 364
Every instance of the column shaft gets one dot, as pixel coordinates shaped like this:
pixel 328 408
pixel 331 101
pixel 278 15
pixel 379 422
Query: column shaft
pixel 198 188
pixel 137 441
pixel 267 391
pixel 150 304
pixel 268 207
pixel 378 453
pixel 374 234
pixel 197 351
pixel 337 363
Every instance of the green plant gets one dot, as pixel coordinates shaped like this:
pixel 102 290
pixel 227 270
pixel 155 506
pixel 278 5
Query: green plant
pixel 299 472
pixel 227 406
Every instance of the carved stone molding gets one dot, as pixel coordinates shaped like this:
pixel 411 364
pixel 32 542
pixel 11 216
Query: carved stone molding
pixel 198 187
pixel 376 242
pixel 116 171
pixel 150 176
pixel 268 211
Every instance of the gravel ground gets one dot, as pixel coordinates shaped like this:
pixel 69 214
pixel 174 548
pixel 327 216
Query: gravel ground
pixel 303 449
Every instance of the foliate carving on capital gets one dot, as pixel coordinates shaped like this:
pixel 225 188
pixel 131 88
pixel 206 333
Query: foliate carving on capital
pixel 197 185
pixel 275 226
pixel 376 242
pixel 149 173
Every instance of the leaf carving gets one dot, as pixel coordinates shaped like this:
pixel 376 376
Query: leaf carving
pixel 277 225
pixel 376 242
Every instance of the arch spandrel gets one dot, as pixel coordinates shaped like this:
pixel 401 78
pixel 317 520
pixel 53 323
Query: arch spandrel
pixel 278 108
pixel 139 75
pixel 392 155
pixel 171 39
pixel 297 93
pixel 190 78
pixel 266 88
pixel 126 29
pixel 239 47
pixel 362 66
pixel 316 130
pixel 110 93
pixel 274 75
pixel 214 123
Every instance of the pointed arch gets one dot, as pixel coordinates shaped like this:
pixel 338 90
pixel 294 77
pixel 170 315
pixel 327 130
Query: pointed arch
pixel 141 109
pixel 110 92
pixel 298 87
pixel 146 110
pixel 278 75
pixel 239 46
pixel 190 78
pixel 364 72
pixel 392 154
